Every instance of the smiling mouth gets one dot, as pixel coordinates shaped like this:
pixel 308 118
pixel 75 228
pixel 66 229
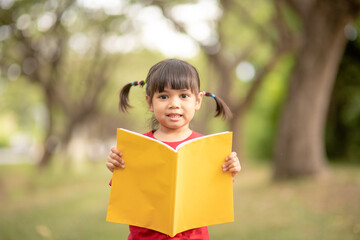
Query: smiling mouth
pixel 174 116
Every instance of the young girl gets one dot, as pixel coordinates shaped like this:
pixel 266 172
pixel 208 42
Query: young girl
pixel 173 95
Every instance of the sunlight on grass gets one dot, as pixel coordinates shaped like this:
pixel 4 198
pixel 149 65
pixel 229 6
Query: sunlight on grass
pixel 59 204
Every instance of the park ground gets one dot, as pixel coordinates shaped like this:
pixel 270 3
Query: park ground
pixel 68 203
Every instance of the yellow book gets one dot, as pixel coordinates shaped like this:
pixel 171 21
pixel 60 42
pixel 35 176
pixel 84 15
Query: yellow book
pixel 168 190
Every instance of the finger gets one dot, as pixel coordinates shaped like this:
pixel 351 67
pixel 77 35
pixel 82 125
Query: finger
pixel 122 164
pixel 113 164
pixel 228 163
pixel 116 163
pixel 234 163
pixel 116 157
pixel 116 151
pixel 231 156
pixel 110 166
pixel 119 162
pixel 235 169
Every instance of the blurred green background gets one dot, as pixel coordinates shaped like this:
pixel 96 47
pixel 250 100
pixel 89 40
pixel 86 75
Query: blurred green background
pixel 62 64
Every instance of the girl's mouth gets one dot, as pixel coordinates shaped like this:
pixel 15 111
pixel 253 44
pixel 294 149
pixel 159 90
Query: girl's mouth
pixel 174 117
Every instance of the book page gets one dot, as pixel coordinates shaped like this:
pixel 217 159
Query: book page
pixel 204 192
pixel 142 194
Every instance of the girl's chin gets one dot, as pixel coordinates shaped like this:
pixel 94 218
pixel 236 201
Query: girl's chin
pixel 174 126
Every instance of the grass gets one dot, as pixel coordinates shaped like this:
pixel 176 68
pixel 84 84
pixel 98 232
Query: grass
pixel 66 205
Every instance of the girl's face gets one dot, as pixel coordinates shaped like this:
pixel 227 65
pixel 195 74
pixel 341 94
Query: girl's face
pixel 173 108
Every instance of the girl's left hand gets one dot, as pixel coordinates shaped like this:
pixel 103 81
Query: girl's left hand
pixel 232 164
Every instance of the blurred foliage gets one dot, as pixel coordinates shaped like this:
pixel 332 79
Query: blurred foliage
pixel 20 112
pixel 60 63
pixel 343 123
pixel 22 102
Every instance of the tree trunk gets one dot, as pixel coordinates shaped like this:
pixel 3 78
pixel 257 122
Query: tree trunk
pixel 299 149
pixel 49 146
pixel 51 141
pixel 237 126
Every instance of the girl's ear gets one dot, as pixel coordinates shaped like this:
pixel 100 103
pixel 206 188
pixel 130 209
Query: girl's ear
pixel 148 100
pixel 198 101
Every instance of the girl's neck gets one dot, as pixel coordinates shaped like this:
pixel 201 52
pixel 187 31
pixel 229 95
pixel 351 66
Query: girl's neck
pixel 172 135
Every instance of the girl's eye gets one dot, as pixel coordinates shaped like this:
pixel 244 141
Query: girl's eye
pixel 163 97
pixel 184 95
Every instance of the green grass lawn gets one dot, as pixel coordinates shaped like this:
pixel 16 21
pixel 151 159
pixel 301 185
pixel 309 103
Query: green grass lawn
pixel 59 204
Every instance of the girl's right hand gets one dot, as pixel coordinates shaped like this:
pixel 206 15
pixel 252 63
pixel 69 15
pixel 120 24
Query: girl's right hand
pixel 114 160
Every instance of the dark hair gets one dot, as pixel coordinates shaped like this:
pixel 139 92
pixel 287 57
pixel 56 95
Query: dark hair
pixel 175 74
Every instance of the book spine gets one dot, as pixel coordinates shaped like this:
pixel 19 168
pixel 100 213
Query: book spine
pixel 174 183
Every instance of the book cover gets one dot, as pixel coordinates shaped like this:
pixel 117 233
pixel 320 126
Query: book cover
pixel 171 190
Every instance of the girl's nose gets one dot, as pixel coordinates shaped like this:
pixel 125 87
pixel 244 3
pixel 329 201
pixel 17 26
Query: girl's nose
pixel 174 102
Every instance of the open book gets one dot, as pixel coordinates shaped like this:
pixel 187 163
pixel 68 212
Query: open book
pixel 168 190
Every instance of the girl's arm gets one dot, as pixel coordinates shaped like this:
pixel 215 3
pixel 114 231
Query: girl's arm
pixel 232 164
pixel 114 160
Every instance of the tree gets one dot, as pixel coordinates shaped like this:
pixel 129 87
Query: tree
pixel 313 32
pixel 299 149
pixel 225 54
pixel 65 60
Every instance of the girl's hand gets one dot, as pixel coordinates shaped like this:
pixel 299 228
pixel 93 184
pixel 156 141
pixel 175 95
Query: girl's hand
pixel 114 160
pixel 232 164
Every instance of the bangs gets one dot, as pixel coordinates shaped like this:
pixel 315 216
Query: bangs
pixel 174 74
pixel 174 78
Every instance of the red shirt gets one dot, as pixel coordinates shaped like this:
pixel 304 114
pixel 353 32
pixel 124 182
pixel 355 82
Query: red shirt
pixel 139 233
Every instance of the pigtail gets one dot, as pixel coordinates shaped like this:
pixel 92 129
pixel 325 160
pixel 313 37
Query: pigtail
pixel 124 95
pixel 221 107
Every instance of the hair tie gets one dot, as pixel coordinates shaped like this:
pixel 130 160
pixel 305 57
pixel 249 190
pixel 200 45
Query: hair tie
pixel 213 95
pixel 132 84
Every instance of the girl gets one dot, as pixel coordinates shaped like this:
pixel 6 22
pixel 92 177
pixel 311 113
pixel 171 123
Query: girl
pixel 173 95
